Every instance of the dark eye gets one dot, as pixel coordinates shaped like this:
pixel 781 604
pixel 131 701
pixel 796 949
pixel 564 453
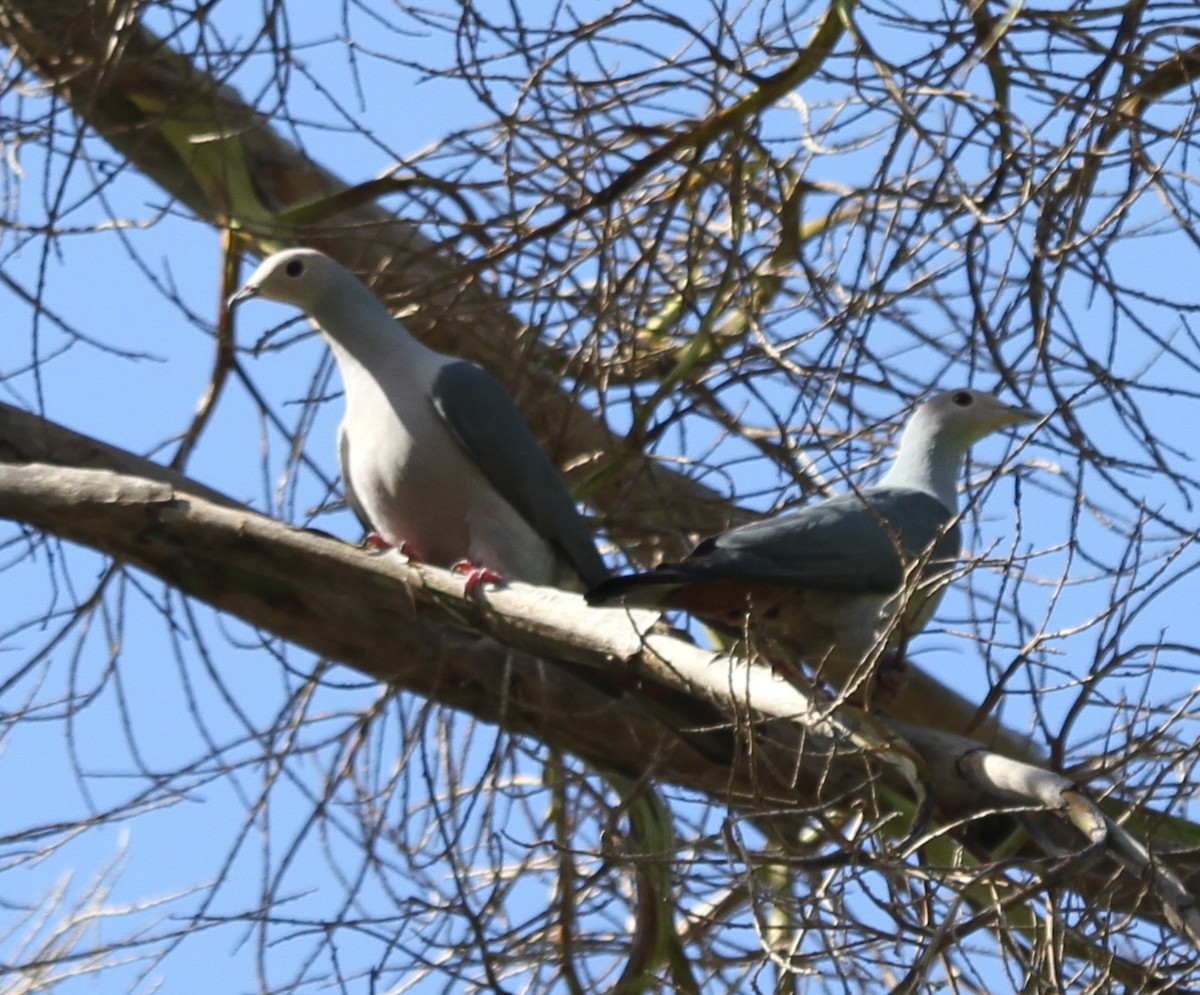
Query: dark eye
pixel 964 399
pixel 294 267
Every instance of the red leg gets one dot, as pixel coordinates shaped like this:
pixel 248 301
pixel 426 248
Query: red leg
pixel 892 674
pixel 375 541
pixel 476 575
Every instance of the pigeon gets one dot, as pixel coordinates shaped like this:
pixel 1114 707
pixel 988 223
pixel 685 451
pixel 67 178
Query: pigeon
pixel 434 455
pixel 848 577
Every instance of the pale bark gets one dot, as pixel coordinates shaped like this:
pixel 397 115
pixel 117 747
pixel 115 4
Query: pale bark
pixel 204 145
pixel 533 662
pixel 603 684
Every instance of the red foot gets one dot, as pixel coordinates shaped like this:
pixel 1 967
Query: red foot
pixel 476 575
pixel 409 550
pixel 892 674
pixel 375 541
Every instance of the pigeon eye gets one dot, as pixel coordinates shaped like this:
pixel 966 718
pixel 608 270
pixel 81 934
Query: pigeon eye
pixel 294 267
pixel 963 399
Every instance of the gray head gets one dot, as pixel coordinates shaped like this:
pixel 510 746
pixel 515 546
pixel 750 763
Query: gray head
pixel 303 277
pixel 939 433
pixel 955 419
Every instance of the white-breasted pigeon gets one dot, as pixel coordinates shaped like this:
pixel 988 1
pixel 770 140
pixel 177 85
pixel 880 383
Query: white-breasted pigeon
pixel 434 455
pixel 829 580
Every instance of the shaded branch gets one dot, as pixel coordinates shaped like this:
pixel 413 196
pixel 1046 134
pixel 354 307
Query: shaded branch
pixel 201 143
pixel 599 683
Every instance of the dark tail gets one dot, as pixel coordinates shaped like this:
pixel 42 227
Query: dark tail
pixel 646 590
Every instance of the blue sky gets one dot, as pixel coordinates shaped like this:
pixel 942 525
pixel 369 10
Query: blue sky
pixel 169 695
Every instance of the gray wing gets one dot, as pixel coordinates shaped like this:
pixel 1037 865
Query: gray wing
pixel 486 422
pixel 852 542
pixel 347 484
pixel 856 543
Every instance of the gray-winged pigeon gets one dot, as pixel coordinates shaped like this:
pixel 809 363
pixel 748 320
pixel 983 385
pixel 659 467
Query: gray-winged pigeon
pixel 434 455
pixel 829 580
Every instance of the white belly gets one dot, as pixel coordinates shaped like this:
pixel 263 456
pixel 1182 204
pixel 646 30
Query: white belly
pixel 418 487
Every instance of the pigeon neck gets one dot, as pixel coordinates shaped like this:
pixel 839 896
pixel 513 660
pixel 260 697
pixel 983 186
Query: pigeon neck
pixel 359 328
pixel 927 463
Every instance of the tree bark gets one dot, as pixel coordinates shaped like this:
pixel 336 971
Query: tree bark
pixel 602 684
pixel 199 141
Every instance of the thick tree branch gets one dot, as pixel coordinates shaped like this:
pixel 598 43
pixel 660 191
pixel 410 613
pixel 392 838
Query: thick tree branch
pixel 204 145
pixel 198 140
pixel 536 661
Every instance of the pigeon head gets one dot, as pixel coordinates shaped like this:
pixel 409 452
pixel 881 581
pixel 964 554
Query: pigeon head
pixel 937 437
pixel 302 277
pixel 958 418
